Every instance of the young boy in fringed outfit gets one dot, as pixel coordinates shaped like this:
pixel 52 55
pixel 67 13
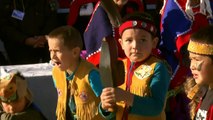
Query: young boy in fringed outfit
pixel 77 81
pixel 143 94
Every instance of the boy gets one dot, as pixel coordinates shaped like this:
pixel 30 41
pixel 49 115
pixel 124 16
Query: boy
pixel 16 98
pixel 77 81
pixel 143 94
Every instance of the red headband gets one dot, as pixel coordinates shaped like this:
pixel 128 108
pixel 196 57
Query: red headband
pixel 137 24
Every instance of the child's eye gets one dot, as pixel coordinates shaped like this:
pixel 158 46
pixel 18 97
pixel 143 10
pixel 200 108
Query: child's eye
pixel 194 59
pixel 143 40
pixel 128 40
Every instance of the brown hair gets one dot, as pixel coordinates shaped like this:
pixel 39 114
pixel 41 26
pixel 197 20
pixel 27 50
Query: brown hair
pixel 69 35
pixel 204 35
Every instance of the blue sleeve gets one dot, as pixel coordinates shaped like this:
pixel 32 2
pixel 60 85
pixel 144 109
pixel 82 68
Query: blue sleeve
pixel 54 81
pixel 95 82
pixel 106 115
pixel 154 104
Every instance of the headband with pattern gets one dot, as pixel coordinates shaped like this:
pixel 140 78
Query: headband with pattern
pixel 200 48
pixel 138 24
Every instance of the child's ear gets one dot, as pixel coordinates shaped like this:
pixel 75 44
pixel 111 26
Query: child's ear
pixel 121 43
pixel 155 42
pixel 76 51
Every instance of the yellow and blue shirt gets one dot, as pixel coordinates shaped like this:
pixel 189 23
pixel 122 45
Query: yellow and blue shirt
pixel 82 97
pixel 148 81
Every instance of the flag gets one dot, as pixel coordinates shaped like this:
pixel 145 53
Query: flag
pixel 176 28
pixel 98 27
pixel 174 22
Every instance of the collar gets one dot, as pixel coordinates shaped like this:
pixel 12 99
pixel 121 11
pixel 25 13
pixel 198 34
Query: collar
pixel 70 76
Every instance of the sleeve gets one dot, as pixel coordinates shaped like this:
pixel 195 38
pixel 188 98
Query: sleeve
pixel 153 105
pixel 54 81
pixel 105 114
pixel 6 116
pixel 26 115
pixel 95 82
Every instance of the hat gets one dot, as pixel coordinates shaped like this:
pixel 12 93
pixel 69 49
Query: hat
pixel 13 86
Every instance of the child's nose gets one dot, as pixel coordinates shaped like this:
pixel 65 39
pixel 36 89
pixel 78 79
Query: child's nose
pixel 53 55
pixel 134 44
pixel 192 66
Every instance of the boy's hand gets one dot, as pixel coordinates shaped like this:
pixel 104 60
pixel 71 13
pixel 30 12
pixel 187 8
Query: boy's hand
pixel 108 98
pixel 15 107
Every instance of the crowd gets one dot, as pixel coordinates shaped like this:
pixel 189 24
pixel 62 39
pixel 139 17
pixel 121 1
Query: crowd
pixel 163 50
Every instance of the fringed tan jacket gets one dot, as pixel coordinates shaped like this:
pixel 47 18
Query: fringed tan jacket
pixel 85 99
pixel 140 87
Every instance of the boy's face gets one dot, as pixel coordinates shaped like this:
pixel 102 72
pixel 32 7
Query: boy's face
pixel 201 67
pixel 137 44
pixel 61 56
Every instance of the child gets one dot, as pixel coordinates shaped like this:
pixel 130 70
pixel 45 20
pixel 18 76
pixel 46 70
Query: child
pixel 201 55
pixel 77 81
pixel 16 99
pixel 143 95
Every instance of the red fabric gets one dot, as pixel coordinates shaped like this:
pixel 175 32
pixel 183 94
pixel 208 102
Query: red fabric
pixel 129 75
pixel 200 21
pixel 209 113
pixel 121 53
pixel 179 77
pixel 130 10
pixel 64 3
pixel 94 59
pixel 137 24
pixel 151 1
pixel 74 10
pixel 131 72
pixel 172 103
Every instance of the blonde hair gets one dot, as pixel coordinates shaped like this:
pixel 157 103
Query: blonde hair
pixel 194 92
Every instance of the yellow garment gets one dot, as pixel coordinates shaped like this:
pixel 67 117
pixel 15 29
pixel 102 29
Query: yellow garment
pixel 140 86
pixel 85 99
